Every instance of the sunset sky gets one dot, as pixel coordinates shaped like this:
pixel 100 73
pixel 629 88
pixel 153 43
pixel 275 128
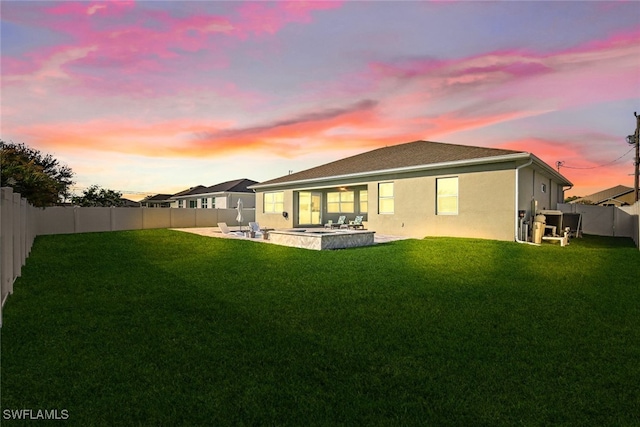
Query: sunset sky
pixel 159 96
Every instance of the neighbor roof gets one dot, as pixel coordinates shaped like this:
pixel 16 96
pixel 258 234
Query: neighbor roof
pixel 156 198
pixel 193 190
pixel 235 186
pixel 604 195
pixel 417 153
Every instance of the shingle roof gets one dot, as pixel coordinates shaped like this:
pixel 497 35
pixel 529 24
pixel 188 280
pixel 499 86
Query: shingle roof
pixel 157 197
pixel 415 153
pixel 193 190
pixel 604 195
pixel 236 186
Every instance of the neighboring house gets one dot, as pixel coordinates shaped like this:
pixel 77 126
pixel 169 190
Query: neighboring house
pixel 157 201
pixel 417 189
pixel 127 203
pixel 221 196
pixel 619 195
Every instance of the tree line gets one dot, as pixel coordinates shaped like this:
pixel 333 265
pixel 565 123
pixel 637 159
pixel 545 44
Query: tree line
pixel 44 181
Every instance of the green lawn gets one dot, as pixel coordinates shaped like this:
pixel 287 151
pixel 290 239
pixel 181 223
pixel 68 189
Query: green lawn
pixel 166 328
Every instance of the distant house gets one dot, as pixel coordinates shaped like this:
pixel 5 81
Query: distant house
pixel 417 189
pixel 156 201
pixel 222 196
pixel 127 203
pixel 619 195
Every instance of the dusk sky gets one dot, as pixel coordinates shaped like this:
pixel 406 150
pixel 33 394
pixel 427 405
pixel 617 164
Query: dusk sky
pixel 156 97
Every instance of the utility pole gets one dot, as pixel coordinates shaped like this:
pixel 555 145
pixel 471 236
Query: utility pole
pixel 637 161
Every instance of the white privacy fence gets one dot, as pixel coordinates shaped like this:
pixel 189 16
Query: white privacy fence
pixel 20 223
pixel 608 220
pixel 17 233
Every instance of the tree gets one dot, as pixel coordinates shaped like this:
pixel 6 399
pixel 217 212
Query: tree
pixel 571 199
pixel 97 196
pixel 38 177
pixel 580 202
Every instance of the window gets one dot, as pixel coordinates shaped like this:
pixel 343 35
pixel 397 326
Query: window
pixel 193 203
pixel 340 202
pixel 385 198
pixel 447 195
pixel 274 202
pixel 364 201
pixel 205 203
pixel 181 203
pixel 543 188
pixel 213 202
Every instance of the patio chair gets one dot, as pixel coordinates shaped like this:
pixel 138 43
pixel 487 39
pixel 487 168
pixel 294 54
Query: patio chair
pixel 264 232
pixel 224 228
pixel 357 223
pixel 338 224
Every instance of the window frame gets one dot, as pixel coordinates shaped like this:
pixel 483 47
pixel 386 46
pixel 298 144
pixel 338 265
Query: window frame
pixel 387 198
pixel 365 201
pixel 455 196
pixel 272 203
pixel 342 203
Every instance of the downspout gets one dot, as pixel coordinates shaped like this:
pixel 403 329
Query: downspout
pixel 517 219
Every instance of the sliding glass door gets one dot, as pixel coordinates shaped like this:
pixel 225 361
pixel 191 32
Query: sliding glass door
pixel 309 208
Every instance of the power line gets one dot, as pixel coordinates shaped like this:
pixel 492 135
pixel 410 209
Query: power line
pixel 145 193
pixel 561 164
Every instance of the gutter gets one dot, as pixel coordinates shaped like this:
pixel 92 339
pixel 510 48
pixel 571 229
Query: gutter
pixel 517 219
pixel 483 160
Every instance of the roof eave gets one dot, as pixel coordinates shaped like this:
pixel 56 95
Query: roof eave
pixel 468 162
pixel 557 175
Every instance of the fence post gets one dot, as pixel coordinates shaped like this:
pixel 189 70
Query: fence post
pixel 17 241
pixel 23 231
pixel 76 219
pixel 7 243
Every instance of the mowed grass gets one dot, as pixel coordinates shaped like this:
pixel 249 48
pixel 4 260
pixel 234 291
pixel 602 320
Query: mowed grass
pixel 161 327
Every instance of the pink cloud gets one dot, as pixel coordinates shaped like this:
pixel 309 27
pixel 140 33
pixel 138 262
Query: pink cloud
pixel 126 43
pixel 269 17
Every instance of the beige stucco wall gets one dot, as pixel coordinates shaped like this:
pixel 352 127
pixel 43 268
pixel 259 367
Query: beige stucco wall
pixel 485 207
pixel 486 201
pixel 530 184
pixel 275 220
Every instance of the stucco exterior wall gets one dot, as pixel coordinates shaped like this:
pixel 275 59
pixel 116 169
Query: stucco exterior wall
pixel 275 220
pixel 486 201
pixel 485 207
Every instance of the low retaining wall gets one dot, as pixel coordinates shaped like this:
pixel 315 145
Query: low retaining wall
pixel 322 240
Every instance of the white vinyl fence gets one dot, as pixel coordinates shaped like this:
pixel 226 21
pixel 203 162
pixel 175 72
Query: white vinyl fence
pixel 608 220
pixel 20 223
pixel 17 233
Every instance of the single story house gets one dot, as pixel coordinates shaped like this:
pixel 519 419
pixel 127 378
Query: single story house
pixel 619 195
pixel 417 189
pixel 156 201
pixel 221 196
